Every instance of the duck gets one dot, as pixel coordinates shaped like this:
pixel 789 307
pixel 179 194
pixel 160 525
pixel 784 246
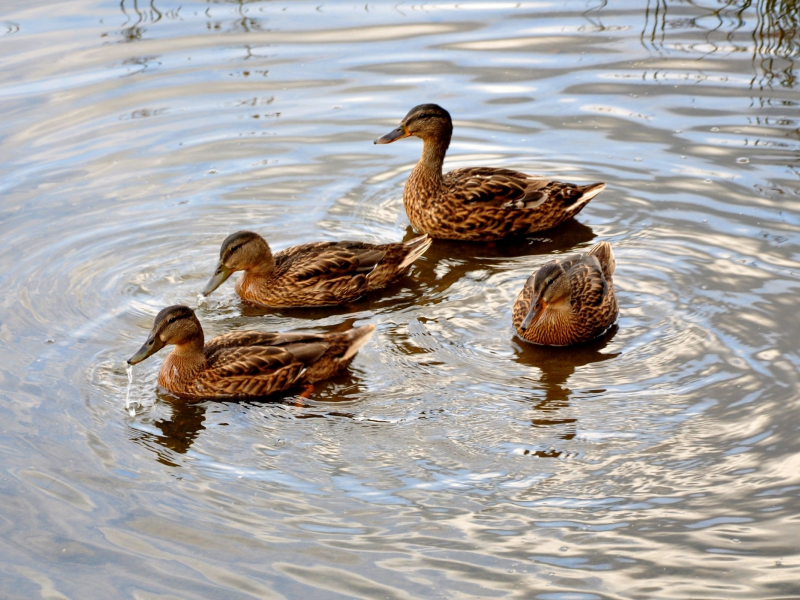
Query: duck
pixel 243 364
pixel 568 301
pixel 315 274
pixel 477 203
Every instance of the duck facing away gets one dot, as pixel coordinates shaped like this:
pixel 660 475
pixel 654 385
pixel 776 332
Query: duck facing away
pixel 317 274
pixel 568 301
pixel 477 203
pixel 244 363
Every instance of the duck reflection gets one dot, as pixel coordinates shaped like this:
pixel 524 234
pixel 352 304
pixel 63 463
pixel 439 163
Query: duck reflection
pixel 178 432
pixel 557 364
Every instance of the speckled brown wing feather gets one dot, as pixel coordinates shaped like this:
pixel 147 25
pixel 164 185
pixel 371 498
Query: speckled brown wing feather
pixel 260 370
pixel 481 184
pixel 254 360
pixel 504 188
pixel 256 338
pixel 321 274
pixel 328 260
pixel 523 303
pixel 588 283
pixel 257 371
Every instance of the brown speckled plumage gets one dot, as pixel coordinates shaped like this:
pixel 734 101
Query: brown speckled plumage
pixel 245 363
pixel 317 274
pixel 568 301
pixel 478 203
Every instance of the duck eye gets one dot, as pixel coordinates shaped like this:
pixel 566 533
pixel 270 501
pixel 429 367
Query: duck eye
pixel 172 320
pixel 235 248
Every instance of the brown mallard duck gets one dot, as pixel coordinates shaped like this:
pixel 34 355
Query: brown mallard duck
pixel 244 363
pixel 318 274
pixel 477 203
pixel 568 301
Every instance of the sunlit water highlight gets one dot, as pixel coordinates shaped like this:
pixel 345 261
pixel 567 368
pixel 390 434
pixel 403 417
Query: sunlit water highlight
pixel 661 461
pixel 130 405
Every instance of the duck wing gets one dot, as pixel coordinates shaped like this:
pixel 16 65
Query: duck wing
pixel 588 283
pixel 328 260
pixel 258 370
pixel 240 339
pixel 504 188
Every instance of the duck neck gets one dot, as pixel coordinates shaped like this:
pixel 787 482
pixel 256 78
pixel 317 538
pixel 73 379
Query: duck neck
pixel 189 355
pixel 265 266
pixel 430 163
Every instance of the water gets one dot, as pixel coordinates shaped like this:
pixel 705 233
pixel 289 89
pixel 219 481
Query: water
pixel 130 405
pixel 661 461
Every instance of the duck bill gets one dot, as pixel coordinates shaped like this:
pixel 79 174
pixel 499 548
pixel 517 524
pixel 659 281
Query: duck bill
pixel 394 135
pixel 534 314
pixel 220 275
pixel 150 347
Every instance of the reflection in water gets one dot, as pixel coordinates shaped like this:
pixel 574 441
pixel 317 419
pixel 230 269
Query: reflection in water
pixel 178 432
pixel 776 45
pixel 134 31
pixel 181 428
pixel 557 365
pixel 767 29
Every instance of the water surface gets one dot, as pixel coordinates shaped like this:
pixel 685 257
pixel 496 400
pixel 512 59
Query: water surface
pixel 453 461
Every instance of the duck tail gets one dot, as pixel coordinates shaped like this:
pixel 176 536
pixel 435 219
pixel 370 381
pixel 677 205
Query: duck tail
pixel 355 340
pixel 415 249
pixel 587 193
pixel 605 255
pixel 341 348
pixel 398 258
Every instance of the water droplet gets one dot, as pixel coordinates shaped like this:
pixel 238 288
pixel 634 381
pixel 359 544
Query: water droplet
pixel 683 156
pixel 735 540
pixel 715 129
pixel 706 181
pixel 742 160
pixel 212 171
pixel 778 563
pixel 678 131
pixel 705 220
pixel 737 131
pixel 280 442
pixel 130 405
pixel 637 159
pixel 563 548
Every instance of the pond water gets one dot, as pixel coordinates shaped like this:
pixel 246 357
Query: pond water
pixel 452 461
